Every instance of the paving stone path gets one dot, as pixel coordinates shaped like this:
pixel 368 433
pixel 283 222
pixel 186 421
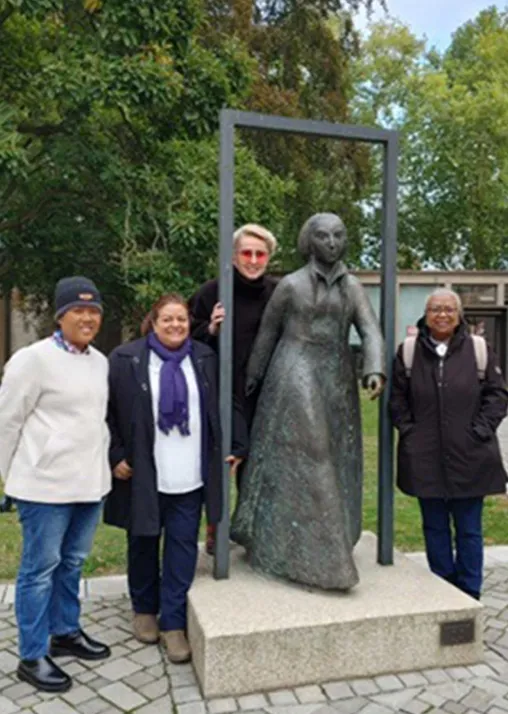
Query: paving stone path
pixel 139 678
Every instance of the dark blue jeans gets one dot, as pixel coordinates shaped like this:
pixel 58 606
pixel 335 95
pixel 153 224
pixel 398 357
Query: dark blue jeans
pixel 465 568
pixel 56 540
pixel 150 592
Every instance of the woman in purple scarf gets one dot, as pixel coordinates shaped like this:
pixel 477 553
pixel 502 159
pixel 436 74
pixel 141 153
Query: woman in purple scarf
pixel 165 457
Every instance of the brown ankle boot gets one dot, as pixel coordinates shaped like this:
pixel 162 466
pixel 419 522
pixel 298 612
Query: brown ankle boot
pixel 177 646
pixel 145 628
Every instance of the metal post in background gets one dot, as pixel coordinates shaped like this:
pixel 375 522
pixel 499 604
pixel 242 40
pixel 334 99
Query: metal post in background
pixel 226 222
pixel 388 297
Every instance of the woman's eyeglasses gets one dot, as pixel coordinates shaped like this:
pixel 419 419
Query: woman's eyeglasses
pixel 259 256
pixel 438 309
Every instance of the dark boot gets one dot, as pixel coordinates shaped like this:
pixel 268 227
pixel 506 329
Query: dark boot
pixel 44 674
pixel 78 644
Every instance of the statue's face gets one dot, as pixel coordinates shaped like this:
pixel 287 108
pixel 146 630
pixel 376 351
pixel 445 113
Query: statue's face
pixel 328 240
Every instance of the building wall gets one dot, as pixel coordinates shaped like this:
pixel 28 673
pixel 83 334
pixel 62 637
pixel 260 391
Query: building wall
pixel 479 288
pixel 409 307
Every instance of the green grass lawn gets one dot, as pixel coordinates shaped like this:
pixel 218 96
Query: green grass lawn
pixel 108 554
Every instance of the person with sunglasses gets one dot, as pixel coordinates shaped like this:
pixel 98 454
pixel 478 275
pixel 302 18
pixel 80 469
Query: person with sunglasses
pixel 448 398
pixel 253 247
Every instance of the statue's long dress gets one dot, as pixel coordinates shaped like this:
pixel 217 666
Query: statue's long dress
pixel 299 511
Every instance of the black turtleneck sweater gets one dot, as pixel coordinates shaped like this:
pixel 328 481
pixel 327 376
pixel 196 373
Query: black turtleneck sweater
pixel 249 301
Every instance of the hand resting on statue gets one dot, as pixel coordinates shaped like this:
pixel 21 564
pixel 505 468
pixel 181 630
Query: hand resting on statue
pixel 374 384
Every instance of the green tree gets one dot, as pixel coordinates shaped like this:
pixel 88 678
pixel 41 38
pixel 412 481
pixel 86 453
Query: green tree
pixel 108 136
pixel 108 118
pixel 452 113
pixel 303 51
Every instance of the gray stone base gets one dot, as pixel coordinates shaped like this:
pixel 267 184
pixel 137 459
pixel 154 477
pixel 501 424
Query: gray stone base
pixel 252 633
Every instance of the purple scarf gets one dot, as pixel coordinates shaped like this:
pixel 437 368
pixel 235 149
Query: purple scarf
pixel 173 393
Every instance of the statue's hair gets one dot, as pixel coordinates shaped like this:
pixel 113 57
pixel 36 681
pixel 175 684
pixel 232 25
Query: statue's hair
pixel 307 229
pixel 255 231
pixel 445 292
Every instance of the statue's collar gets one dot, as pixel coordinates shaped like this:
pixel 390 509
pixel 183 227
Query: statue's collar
pixel 338 271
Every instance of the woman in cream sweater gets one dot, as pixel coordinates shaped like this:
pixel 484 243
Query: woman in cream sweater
pixel 53 460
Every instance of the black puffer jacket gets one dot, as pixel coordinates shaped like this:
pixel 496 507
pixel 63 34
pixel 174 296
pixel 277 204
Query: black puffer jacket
pixel 447 421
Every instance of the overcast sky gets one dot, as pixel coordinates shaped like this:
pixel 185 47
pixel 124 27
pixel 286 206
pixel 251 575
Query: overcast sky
pixel 437 19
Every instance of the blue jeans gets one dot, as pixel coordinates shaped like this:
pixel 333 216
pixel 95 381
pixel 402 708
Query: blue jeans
pixel 465 569
pixel 150 592
pixel 56 540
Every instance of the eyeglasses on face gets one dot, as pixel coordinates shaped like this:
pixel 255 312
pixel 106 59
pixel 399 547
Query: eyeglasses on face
pixel 260 256
pixel 438 309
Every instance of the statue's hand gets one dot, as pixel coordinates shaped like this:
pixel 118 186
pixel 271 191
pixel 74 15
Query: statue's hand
pixel 251 385
pixel 374 384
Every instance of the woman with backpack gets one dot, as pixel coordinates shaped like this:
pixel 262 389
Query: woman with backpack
pixel 448 398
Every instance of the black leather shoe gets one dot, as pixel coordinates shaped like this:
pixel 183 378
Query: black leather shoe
pixel 44 674
pixel 78 644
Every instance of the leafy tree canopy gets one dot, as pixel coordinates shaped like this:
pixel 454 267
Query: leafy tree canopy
pixel 452 113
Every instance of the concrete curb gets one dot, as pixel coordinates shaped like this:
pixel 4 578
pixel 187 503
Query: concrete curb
pixel 116 585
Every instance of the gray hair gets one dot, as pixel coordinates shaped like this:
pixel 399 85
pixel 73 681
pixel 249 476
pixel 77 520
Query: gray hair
pixel 255 231
pixel 445 292
pixel 304 238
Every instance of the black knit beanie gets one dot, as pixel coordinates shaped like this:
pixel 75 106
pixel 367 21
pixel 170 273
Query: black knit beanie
pixel 76 291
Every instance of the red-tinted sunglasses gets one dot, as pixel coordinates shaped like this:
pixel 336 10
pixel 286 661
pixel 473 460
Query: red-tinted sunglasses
pixel 260 256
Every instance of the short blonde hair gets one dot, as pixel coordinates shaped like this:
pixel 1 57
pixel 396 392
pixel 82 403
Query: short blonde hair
pixel 255 231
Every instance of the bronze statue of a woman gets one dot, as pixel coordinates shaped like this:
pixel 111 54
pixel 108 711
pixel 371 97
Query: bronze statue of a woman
pixel 299 510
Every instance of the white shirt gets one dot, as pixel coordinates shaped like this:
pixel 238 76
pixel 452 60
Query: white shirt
pixel 53 434
pixel 177 458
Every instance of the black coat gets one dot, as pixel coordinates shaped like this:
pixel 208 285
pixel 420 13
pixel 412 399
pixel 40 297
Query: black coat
pixel 134 504
pixel 447 434
pixel 250 299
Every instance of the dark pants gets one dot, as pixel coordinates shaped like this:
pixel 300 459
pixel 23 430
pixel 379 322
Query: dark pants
pixel 465 568
pixel 150 592
pixel 56 540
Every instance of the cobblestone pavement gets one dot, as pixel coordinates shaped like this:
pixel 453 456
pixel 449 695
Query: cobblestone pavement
pixel 139 679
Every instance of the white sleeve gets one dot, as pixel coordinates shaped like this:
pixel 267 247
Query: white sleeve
pixel 19 393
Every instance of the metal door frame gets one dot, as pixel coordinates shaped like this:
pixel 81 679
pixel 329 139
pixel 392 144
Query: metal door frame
pixel 229 120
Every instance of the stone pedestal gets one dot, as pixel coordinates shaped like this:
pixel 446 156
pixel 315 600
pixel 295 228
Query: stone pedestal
pixel 252 633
